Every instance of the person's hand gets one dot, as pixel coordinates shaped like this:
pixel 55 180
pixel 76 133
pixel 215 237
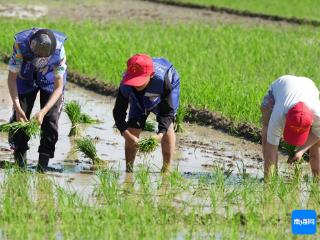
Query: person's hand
pixel 20 115
pixel 296 157
pixel 130 138
pixel 39 117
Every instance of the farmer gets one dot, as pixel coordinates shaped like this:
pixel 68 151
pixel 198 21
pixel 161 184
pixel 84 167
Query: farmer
pixel 291 105
pixel 38 63
pixel 148 85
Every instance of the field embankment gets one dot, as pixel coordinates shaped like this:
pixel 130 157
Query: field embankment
pixel 296 12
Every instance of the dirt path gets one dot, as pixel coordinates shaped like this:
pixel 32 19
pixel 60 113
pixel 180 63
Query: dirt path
pixel 242 13
pixel 125 10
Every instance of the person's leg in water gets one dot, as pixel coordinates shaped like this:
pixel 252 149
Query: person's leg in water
pixel 49 131
pixel 19 140
pixel 135 126
pixel 131 150
pixel 168 143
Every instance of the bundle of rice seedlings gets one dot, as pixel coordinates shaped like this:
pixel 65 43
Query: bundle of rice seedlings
pixel 87 147
pixel 291 151
pixel 31 128
pixel 73 111
pixel 147 145
pixel 149 127
pixel 85 118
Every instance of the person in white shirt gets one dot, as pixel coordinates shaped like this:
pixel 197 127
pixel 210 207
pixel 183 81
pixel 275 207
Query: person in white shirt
pixel 291 106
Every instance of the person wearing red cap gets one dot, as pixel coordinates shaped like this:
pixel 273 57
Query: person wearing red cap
pixel 148 85
pixel 291 106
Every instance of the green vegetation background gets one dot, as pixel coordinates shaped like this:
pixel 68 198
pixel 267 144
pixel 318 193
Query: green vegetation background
pixel 227 68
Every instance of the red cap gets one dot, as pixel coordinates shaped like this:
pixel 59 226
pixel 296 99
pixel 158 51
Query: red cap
pixel 298 123
pixel 139 69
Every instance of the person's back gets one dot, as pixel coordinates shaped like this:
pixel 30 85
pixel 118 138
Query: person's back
pixel 289 90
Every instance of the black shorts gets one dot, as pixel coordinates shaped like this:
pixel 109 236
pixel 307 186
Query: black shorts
pixel 138 122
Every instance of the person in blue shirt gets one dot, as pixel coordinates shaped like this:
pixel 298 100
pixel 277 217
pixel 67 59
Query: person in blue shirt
pixel 37 64
pixel 148 85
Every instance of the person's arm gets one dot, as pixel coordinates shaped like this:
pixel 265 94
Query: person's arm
pixel 270 156
pixel 271 133
pixel 59 72
pixel 119 116
pixel 14 69
pixel 312 139
pixel 120 112
pixel 56 94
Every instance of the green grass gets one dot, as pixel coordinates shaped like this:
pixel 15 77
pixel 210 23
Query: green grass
pixel 227 69
pixel 309 9
pixel 33 206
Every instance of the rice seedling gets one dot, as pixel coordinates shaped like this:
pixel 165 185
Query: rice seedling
pixel 183 208
pixel 291 151
pixel 147 145
pixel 74 113
pixel 31 128
pixel 149 126
pixel 87 147
pixel 76 117
pixel 86 119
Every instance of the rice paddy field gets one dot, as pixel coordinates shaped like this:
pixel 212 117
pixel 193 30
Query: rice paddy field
pixel 225 67
pixel 229 77
pixel 308 9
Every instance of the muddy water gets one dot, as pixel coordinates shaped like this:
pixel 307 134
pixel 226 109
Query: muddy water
pixel 198 150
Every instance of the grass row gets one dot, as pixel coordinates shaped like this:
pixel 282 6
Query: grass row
pixel 172 207
pixel 227 68
pixel 309 9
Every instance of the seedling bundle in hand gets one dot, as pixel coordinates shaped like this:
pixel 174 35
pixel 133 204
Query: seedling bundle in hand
pixel 147 145
pixel 31 128
pixel 87 147
pixel 76 117
pixel 291 151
